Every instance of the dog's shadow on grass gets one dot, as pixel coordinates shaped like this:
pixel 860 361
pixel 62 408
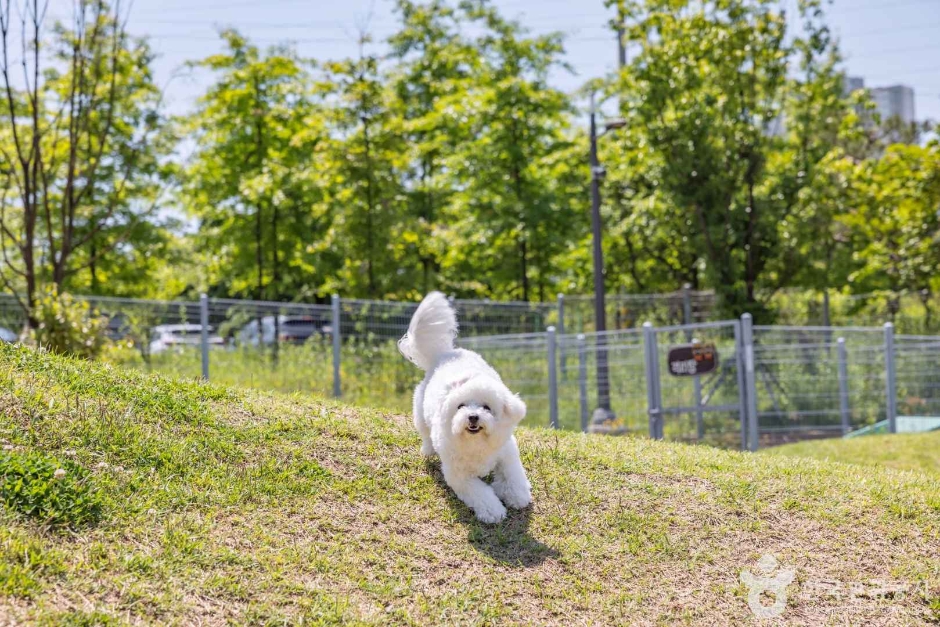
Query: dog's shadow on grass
pixel 507 542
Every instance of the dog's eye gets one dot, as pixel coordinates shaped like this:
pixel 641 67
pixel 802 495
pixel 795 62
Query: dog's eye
pixel 461 406
pixel 486 408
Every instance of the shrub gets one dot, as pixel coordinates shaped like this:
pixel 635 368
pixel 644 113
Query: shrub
pixel 54 493
pixel 68 326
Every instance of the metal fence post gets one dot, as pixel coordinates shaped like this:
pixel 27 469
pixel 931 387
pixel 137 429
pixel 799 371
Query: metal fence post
pixel 337 388
pixel 890 381
pixel 696 382
pixel 653 397
pixel 204 332
pixel 552 378
pixel 742 390
pixel 561 331
pixel 582 381
pixel 687 303
pixel 750 382
pixel 843 386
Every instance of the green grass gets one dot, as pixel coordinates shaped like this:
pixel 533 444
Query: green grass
pixel 908 451
pixel 222 506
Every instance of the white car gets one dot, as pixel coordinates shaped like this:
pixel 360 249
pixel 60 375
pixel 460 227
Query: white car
pixel 8 336
pixel 170 336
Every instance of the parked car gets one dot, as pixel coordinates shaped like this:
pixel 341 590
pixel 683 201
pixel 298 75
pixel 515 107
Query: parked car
pixel 119 326
pixel 169 336
pixel 8 336
pixel 290 329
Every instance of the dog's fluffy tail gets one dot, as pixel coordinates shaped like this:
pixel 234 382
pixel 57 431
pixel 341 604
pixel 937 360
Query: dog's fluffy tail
pixel 431 333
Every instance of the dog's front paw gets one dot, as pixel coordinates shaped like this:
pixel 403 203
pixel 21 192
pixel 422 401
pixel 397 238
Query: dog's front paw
pixel 427 449
pixel 490 513
pixel 516 496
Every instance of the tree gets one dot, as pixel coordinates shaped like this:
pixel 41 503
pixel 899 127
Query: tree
pixel 80 153
pixel 368 208
pixel 895 220
pixel 518 172
pixel 703 96
pixel 432 75
pixel 257 135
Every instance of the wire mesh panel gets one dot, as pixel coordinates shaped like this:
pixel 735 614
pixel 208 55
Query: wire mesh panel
pixel 580 387
pixel 12 316
pixel 153 335
pixel 629 311
pixel 800 386
pixel 373 371
pixel 911 313
pixel 485 317
pixel 269 345
pixel 707 408
pixel 917 359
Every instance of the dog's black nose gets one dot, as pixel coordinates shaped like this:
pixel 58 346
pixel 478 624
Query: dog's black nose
pixel 474 419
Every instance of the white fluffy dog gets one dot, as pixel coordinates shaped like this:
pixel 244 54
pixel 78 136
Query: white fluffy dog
pixel 465 414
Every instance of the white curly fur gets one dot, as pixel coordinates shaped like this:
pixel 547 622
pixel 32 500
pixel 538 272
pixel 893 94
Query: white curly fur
pixel 465 414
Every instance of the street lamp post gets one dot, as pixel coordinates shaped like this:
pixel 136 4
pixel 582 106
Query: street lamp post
pixel 603 415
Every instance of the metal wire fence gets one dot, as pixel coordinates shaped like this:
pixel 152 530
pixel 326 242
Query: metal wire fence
pixel 288 346
pixel 772 385
pixel 910 312
pixel 630 311
pixel 818 381
pixel 804 381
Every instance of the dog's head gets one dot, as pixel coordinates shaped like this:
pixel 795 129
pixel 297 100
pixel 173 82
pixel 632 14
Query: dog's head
pixel 482 407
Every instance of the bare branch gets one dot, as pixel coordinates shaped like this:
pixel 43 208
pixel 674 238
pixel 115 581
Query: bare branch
pixel 5 15
pixel 91 175
pixel 121 238
pixel 6 257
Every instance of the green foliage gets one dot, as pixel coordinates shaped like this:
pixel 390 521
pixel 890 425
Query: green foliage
pixel 68 326
pixel 82 158
pixel 520 171
pixel 360 177
pixel 254 178
pixel 368 206
pixel 894 218
pixel 452 163
pixel 702 176
pixel 51 492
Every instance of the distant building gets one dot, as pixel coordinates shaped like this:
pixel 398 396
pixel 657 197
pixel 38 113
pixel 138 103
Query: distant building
pixel 896 101
pixel 853 84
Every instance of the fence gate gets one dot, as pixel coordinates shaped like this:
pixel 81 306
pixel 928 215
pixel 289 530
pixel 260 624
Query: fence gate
pixel 695 383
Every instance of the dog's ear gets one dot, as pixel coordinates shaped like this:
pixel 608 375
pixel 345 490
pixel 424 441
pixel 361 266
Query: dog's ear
pixel 513 408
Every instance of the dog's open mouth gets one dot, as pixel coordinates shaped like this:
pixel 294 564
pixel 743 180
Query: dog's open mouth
pixel 474 429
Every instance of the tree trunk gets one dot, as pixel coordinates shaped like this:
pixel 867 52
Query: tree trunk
pixel 93 267
pixel 525 271
pixel 370 206
pixel 275 282
pixel 259 213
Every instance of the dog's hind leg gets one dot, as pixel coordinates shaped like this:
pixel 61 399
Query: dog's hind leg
pixel 509 480
pixel 427 447
pixel 476 494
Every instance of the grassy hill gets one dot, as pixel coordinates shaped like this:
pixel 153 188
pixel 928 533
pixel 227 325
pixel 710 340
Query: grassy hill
pixel 908 451
pixel 134 499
